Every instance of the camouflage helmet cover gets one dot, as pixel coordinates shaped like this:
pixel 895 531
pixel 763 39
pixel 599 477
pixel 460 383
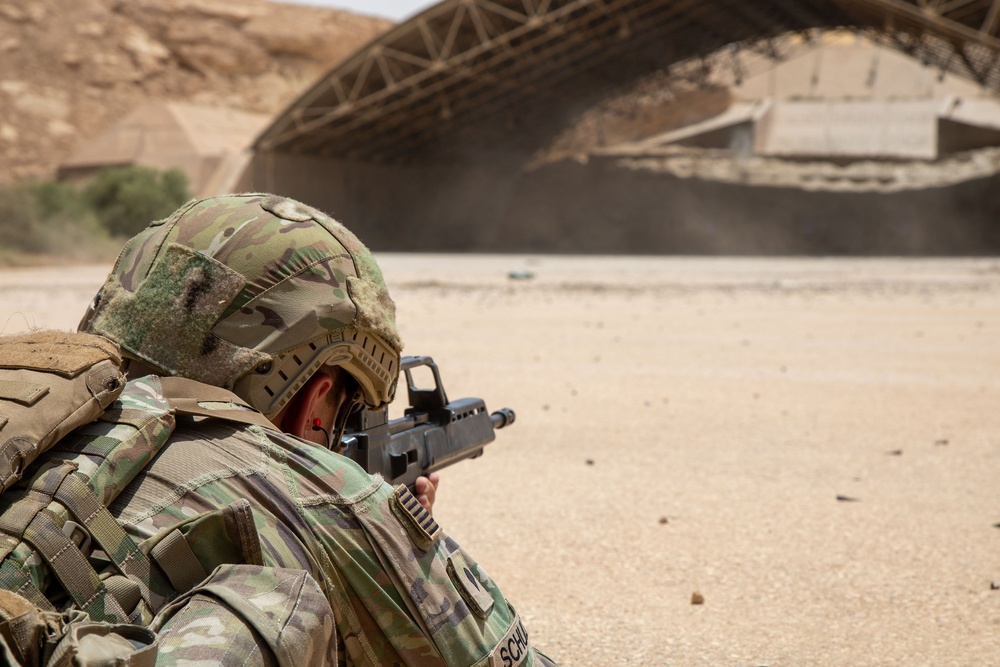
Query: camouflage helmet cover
pixel 254 293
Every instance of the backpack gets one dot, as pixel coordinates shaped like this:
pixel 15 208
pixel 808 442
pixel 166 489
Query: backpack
pixel 75 588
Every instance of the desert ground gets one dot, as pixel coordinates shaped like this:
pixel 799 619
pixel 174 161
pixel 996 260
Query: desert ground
pixel 811 447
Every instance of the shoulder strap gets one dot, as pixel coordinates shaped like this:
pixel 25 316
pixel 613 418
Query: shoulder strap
pixel 53 519
pixel 190 397
pixel 59 512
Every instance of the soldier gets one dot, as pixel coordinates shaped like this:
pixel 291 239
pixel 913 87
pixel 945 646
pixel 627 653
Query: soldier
pixel 284 307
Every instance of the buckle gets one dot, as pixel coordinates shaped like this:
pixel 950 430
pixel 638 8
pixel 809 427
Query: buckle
pixel 78 535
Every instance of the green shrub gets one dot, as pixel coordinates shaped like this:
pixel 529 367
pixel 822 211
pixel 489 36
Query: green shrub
pixel 59 200
pixel 47 218
pixel 54 222
pixel 68 227
pixel 19 220
pixel 126 199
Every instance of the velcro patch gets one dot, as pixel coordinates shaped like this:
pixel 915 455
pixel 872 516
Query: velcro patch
pixel 169 319
pixel 421 519
pixel 514 648
pixel 25 393
pixel 66 354
pixel 287 209
pixel 479 600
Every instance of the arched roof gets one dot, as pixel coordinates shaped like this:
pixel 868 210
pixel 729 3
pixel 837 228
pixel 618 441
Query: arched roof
pixel 461 61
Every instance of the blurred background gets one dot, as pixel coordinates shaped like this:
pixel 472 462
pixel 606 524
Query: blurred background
pixel 734 449
pixel 845 127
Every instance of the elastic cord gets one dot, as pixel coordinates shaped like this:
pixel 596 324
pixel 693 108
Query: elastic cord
pixel 341 422
pixel 318 426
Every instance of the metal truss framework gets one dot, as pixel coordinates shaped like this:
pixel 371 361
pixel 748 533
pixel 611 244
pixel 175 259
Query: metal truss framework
pixel 462 61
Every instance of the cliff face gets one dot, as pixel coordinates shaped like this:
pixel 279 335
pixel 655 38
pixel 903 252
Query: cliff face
pixel 71 68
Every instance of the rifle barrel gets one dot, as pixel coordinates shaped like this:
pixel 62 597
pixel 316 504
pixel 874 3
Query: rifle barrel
pixel 502 417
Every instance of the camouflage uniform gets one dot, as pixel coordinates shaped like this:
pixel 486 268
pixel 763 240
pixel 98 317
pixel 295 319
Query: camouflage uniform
pixel 253 293
pixel 401 592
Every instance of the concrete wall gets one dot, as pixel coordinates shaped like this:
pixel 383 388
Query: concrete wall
pixel 601 207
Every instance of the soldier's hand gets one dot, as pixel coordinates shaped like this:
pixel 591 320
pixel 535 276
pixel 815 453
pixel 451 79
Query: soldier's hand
pixel 427 489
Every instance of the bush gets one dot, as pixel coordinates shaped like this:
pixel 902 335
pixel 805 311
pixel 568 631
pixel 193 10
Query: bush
pixel 68 226
pixel 19 220
pixel 56 200
pixel 126 199
pixel 50 221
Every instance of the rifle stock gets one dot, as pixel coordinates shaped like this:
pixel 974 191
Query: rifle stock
pixel 432 434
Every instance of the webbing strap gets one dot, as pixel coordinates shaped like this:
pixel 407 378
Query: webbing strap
pixel 77 577
pixel 126 591
pixel 174 555
pixel 14 519
pixel 24 630
pixel 14 579
pixel 121 549
pixel 179 392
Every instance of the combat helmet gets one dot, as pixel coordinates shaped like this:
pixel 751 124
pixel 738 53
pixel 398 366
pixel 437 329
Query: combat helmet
pixel 254 293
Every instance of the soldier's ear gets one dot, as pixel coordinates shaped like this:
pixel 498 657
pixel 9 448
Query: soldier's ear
pixel 308 403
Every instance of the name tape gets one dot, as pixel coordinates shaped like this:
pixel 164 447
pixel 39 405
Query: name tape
pixel 513 649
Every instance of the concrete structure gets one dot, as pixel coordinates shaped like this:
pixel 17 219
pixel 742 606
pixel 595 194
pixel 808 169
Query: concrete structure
pixel 848 98
pixel 429 137
pixel 209 144
pixel 842 130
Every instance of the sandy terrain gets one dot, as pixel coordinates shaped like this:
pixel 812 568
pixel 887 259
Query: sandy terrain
pixel 687 425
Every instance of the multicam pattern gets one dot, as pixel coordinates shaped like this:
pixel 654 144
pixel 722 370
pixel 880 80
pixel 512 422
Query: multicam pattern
pixel 343 580
pixel 223 287
pixel 224 284
pixel 249 615
pixel 108 453
pixel 394 601
pixel 50 639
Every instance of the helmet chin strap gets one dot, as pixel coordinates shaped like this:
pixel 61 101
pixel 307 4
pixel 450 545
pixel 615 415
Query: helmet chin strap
pixel 340 422
pixel 342 416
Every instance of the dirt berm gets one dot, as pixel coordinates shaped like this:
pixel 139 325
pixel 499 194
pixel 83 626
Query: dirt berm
pixel 69 69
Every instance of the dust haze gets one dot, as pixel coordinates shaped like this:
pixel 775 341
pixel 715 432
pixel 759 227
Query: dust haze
pixel 686 425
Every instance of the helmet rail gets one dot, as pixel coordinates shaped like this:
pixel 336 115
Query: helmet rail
pixel 365 356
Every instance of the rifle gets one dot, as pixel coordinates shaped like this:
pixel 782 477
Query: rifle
pixel 432 434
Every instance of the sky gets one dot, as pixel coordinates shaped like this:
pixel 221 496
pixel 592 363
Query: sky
pixel 393 9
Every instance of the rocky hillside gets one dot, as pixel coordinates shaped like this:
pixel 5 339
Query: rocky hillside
pixel 71 68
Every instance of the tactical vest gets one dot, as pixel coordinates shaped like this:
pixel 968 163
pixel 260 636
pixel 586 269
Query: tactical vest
pixel 76 588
